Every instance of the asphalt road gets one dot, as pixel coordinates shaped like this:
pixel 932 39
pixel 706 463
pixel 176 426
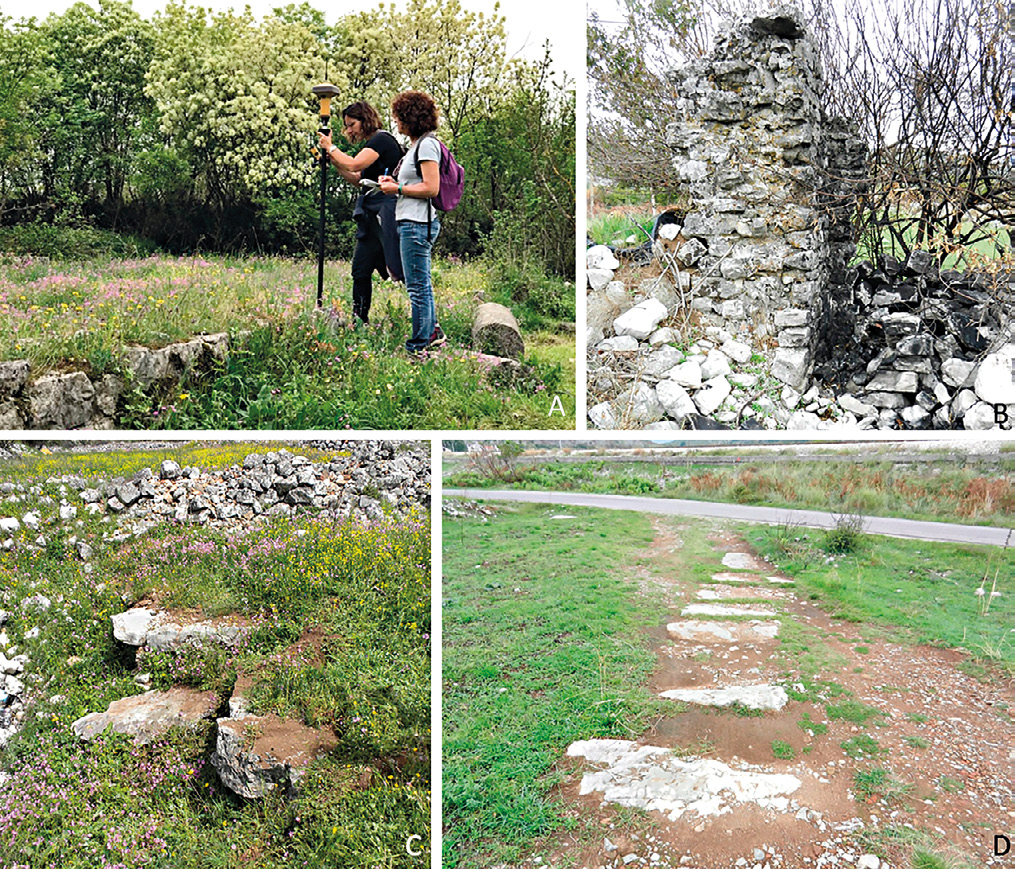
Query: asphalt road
pixel 943 532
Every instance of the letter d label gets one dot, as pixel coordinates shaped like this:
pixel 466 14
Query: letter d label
pixel 998 839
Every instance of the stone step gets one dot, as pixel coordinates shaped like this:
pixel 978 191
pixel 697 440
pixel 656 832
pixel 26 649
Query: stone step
pixel 653 778
pixel 729 609
pixel 743 561
pixel 724 631
pixel 725 592
pixel 751 696
pixel 255 754
pixel 146 716
pixel 736 578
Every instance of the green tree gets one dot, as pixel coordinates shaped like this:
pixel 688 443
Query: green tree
pixel 457 56
pixel 21 80
pixel 96 101
pixel 234 100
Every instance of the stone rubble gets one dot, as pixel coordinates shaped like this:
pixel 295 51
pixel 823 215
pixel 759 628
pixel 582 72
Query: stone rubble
pixel 364 478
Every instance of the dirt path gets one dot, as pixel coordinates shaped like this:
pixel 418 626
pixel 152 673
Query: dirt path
pixel 926 763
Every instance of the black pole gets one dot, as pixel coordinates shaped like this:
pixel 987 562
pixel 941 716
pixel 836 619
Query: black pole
pixel 324 92
pixel 320 241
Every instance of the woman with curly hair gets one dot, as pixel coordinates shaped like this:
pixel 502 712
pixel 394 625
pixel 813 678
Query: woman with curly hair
pixel 376 233
pixel 416 181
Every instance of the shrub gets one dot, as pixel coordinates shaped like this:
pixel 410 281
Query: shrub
pixel 846 536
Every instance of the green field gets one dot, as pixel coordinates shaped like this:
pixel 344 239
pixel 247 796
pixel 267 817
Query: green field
pixel 359 589
pixel 945 490
pixel 292 365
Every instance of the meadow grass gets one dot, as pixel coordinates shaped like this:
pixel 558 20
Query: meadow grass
pixel 362 587
pixel 926 592
pixel 542 646
pixel 618 227
pixel 291 365
pixel 942 491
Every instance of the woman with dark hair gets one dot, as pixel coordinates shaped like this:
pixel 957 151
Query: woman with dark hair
pixel 376 234
pixel 418 180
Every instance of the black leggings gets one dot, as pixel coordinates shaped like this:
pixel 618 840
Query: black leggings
pixel 368 257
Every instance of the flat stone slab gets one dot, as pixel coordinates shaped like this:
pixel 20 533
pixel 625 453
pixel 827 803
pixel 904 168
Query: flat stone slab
pixel 723 592
pixel 170 635
pixel 725 578
pixel 779 580
pixel 131 627
pixel 650 777
pixel 149 715
pixel 742 561
pixel 254 754
pixel 751 696
pixel 161 631
pixel 723 632
pixel 728 609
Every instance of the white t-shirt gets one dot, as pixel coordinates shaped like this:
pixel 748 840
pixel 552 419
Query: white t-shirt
pixel 410 208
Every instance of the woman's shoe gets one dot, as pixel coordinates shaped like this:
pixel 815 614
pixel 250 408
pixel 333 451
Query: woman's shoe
pixel 437 339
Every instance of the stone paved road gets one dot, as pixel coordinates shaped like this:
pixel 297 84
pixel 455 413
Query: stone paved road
pixel 943 532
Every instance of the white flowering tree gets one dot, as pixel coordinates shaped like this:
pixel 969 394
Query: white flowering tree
pixel 233 99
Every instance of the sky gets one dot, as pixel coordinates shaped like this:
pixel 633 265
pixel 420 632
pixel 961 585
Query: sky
pixel 529 22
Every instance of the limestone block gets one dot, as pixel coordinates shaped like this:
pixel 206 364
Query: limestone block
pixel 894 381
pixel 61 401
pixel 149 715
pixel 131 627
pixel 713 394
pixel 10 416
pixel 981 417
pixel 641 320
pixel 639 405
pixel 995 377
pixel 660 362
pixel 602 416
pixel 599 256
pixel 13 377
pixel 675 400
pixel 686 374
pixel 598 278
pixel 620 344
pixel 792 367
pixel 715 364
pixel 957 372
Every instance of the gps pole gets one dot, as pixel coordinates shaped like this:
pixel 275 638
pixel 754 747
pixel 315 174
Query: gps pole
pixel 324 91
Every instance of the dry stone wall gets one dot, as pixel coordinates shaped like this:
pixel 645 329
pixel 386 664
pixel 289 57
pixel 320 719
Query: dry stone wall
pixel 757 320
pixel 59 400
pixel 754 148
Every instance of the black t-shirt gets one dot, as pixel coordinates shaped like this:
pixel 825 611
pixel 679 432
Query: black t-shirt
pixel 389 152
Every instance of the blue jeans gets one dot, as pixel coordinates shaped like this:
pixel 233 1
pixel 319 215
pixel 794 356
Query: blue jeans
pixel 415 249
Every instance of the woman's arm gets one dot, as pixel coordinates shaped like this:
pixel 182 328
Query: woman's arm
pixel 341 160
pixel 430 185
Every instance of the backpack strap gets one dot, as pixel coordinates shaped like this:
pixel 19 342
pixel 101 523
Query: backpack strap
pixel 419 172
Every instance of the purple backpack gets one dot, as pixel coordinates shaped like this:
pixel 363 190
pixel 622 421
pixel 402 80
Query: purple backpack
pixel 452 177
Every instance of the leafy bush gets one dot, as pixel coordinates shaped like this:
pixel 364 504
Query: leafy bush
pixel 71 243
pixel 846 536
